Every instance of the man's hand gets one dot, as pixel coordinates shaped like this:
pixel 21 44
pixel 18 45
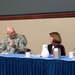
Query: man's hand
pixel 12 43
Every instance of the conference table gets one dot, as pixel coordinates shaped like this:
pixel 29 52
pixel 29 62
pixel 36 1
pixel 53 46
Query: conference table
pixel 18 64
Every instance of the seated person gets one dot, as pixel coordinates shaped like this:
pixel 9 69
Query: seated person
pixel 13 43
pixel 56 40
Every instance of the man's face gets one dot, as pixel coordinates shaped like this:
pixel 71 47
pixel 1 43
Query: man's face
pixel 12 34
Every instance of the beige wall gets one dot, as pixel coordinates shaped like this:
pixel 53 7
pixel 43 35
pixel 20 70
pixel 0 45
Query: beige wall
pixel 37 31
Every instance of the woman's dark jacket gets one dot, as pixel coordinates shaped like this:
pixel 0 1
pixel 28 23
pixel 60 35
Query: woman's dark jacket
pixel 56 45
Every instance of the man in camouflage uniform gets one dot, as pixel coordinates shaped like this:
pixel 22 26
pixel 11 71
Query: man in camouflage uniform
pixel 13 43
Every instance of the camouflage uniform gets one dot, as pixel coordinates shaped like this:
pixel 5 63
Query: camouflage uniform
pixel 20 44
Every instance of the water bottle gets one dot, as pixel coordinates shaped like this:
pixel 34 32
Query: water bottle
pixel 56 52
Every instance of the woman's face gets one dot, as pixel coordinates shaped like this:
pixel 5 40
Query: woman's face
pixel 51 39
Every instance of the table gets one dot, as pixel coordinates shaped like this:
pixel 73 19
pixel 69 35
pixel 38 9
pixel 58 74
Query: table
pixel 17 64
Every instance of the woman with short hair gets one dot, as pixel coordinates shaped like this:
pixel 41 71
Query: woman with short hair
pixel 55 40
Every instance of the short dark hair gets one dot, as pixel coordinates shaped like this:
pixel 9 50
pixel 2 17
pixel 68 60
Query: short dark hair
pixel 56 37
